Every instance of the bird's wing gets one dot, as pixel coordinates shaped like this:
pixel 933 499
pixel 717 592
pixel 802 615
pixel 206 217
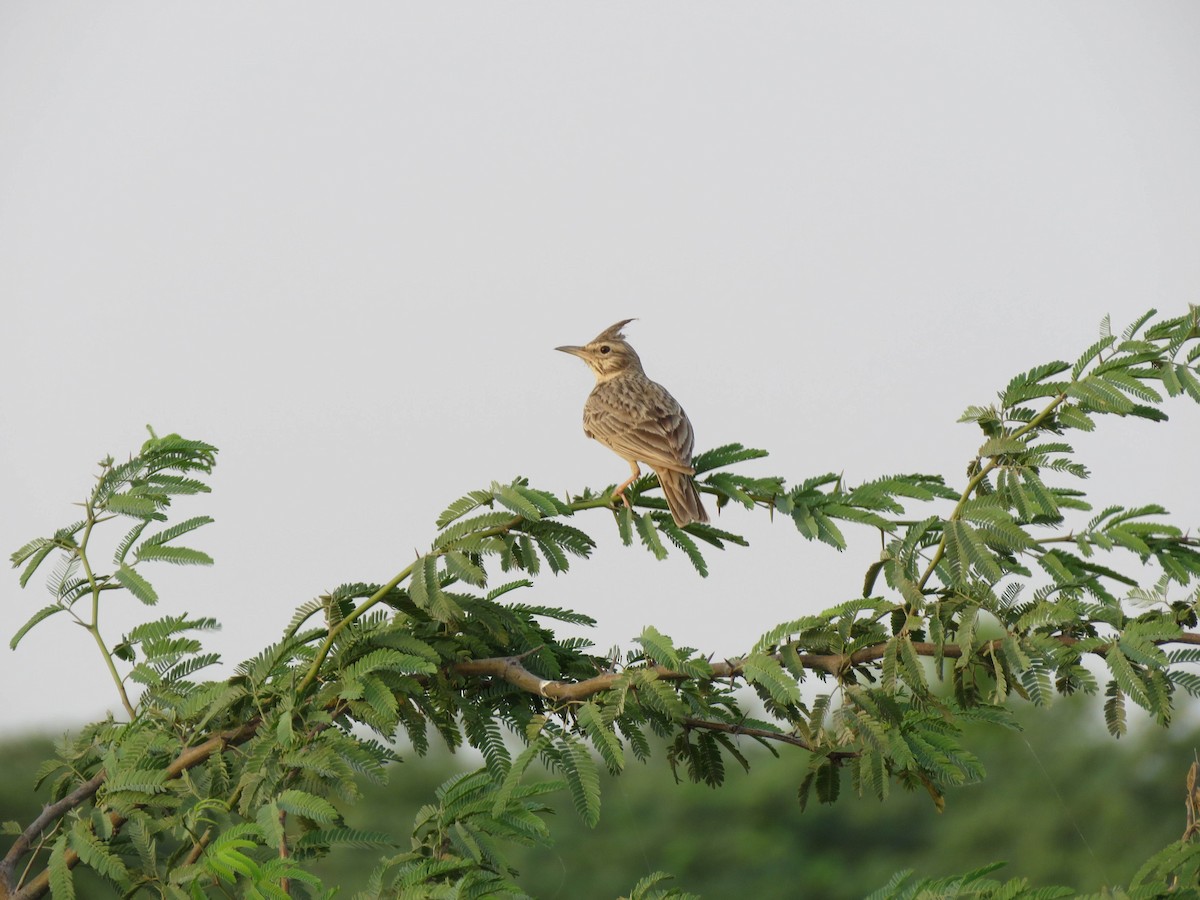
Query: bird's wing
pixel 646 424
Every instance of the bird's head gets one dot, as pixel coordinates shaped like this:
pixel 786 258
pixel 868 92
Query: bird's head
pixel 607 354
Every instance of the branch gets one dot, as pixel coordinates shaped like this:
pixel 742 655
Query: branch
pixel 327 644
pixel 198 847
pixel 189 758
pixel 504 528
pixel 51 812
pixel 510 668
pixel 94 625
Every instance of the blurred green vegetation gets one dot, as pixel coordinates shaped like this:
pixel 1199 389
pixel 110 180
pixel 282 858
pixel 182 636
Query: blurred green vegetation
pixel 1063 803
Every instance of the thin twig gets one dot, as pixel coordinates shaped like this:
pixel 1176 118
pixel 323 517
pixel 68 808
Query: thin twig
pixel 733 728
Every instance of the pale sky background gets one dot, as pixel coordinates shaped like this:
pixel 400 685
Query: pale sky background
pixel 341 241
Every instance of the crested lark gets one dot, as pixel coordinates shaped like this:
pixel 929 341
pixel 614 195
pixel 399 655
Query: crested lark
pixel 639 420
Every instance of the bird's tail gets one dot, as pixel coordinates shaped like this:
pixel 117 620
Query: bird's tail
pixel 682 497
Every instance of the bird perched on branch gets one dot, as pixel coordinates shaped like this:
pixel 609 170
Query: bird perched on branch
pixel 638 420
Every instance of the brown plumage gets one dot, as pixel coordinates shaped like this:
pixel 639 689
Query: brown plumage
pixel 638 420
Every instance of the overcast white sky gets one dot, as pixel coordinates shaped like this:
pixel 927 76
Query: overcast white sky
pixel 341 242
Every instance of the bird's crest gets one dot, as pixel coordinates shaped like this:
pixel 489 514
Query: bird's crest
pixel 613 332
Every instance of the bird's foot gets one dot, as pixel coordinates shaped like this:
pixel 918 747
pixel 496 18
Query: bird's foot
pixel 620 495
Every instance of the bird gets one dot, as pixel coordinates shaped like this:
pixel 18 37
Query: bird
pixel 640 421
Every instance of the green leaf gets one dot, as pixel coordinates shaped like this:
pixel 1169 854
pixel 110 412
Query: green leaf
pixel 827 530
pixel 625 524
pixel 602 736
pixel 1097 394
pixel 512 778
pixel 1091 353
pixel 1072 416
pixel 424 586
pixel 462 506
pixel 1188 381
pixel 658 647
pixel 137 506
pixel 655 695
pixel 730 486
pixel 648 889
pixel 1129 333
pixel 525 555
pixel 583 779
pixel 96 852
pixel 44 613
pixel 459 532
pixel 176 484
pixel 515 501
pixel 911 669
pixel 180 556
pixel 791 661
pixel 508 587
pixel 1028 385
pixel 127 542
pixel 726 455
pixel 464 568
pixel 765 670
pixel 31 548
pixel 309 806
pixel 1114 710
pixel 997 528
pixel 1130 384
pixel 345 837
pixel 1127 678
pixel 988 417
pixel 1047 505
pixel 267 818
pixel 680 539
pixel 483 733
pixel 716 536
pixel 1170 379
pixel 1004 445
pixel 567 537
pixel 552 550
pixel 35 557
pixel 828 782
pixel 649 535
pixel 389 659
pixel 966 551
pixel 133 581
pixel 169 534
pixel 168 626
pixel 547 503
pixel 62 886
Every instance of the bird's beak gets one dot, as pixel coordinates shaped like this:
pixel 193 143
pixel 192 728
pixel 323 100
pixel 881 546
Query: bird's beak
pixel 574 351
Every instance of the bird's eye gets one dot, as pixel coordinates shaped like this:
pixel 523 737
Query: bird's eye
pixel 606 349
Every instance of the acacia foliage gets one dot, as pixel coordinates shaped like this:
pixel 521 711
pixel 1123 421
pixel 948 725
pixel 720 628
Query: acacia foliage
pixel 1003 585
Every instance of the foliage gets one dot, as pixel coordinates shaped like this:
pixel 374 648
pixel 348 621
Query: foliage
pixel 751 836
pixel 231 785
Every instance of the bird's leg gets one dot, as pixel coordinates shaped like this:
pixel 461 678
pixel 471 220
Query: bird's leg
pixel 620 492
